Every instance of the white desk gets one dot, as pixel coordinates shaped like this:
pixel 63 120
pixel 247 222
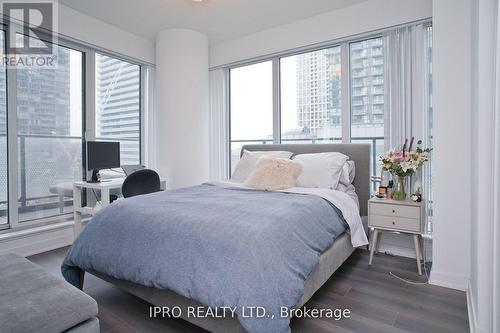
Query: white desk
pixel 105 187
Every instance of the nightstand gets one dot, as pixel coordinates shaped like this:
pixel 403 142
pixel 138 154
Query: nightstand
pixel 396 216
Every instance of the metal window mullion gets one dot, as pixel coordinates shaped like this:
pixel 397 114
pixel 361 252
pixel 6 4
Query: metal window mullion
pixel 90 100
pixel 227 118
pixel 142 113
pixel 12 147
pixel 276 102
pixel 346 93
pixel 90 113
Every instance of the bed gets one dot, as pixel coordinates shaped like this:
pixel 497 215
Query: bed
pixel 187 292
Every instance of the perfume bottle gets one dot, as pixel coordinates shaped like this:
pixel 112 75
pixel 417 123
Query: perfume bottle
pixel 384 183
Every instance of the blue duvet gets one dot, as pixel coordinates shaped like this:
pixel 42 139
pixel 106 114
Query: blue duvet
pixel 220 246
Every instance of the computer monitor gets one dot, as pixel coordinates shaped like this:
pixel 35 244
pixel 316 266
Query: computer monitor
pixel 102 155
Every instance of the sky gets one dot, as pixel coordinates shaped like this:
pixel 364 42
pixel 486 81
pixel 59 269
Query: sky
pixel 252 99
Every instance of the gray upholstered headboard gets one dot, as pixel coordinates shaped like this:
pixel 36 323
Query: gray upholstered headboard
pixel 358 152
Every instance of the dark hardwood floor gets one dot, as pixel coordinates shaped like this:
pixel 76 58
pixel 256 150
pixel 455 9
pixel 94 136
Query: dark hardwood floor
pixel 378 301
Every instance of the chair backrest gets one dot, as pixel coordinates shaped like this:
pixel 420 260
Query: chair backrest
pixel 141 182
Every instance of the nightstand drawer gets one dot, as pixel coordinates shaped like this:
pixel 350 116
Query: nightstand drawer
pixel 396 223
pixel 395 210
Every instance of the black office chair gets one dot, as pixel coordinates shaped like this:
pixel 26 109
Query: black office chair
pixel 141 182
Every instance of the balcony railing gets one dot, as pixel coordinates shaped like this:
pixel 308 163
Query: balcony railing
pixel 48 165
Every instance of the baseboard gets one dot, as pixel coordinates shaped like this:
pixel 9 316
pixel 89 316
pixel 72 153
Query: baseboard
pixel 38 239
pixel 449 280
pixel 471 310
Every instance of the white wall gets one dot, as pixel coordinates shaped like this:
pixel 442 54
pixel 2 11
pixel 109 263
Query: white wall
pixel 84 28
pixel 182 90
pixel 482 279
pixel 452 142
pixel 360 18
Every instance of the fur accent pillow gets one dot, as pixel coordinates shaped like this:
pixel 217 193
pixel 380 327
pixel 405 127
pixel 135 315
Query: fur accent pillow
pixel 249 161
pixel 274 174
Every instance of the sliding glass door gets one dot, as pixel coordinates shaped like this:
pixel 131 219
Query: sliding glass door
pixel 50 135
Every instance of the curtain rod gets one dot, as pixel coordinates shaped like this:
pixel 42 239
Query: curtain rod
pixel 317 46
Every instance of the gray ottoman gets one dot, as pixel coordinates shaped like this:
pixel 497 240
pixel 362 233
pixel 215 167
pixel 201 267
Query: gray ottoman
pixel 32 300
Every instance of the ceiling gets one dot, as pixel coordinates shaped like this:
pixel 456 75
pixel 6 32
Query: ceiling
pixel 220 20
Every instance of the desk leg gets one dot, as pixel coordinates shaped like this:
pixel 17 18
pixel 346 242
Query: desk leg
pixel 418 252
pixel 373 244
pixel 104 197
pixel 77 205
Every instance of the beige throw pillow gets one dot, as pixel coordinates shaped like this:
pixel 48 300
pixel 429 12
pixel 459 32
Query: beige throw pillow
pixel 274 174
pixel 250 159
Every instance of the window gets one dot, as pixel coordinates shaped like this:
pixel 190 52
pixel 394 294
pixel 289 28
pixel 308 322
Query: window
pixel 42 146
pixel 118 106
pixel 367 96
pixel 251 106
pixel 49 132
pixel 335 94
pixel 311 104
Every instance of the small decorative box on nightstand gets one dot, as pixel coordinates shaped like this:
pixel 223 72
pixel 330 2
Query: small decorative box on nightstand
pixel 396 216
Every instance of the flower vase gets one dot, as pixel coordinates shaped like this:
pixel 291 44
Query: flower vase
pixel 399 193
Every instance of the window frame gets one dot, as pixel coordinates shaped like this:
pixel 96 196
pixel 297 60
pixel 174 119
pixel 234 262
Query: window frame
pixel 276 62
pixel 88 118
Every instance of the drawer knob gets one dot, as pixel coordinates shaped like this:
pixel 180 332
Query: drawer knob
pixel 393 222
pixel 393 211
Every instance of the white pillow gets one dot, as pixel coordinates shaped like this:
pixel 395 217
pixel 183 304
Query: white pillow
pixel 348 173
pixel 249 160
pixel 274 174
pixel 320 170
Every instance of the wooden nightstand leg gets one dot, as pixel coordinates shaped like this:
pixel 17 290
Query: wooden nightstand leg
pixel 418 251
pixel 373 244
pixel 377 245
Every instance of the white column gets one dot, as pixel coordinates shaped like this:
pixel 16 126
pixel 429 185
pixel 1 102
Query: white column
pixel 483 281
pixel 451 174
pixel 182 88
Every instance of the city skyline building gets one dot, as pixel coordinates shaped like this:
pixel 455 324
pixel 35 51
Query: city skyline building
pixel 118 105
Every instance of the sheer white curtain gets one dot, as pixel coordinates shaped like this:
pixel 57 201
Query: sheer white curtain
pixel 219 138
pixel 406 89
pixel 496 216
pixel 408 106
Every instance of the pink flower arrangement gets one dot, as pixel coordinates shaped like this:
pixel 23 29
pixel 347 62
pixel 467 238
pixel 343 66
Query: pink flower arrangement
pixel 404 162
